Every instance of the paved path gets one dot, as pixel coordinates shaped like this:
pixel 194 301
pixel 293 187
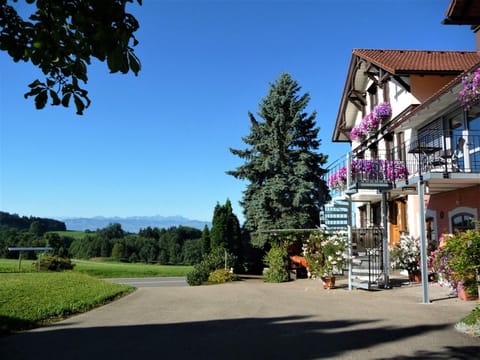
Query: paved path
pixel 255 320
pixel 151 281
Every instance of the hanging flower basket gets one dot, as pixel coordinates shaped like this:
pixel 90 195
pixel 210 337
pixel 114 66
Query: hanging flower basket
pixel 382 111
pixel 357 134
pixel 470 93
pixel 371 122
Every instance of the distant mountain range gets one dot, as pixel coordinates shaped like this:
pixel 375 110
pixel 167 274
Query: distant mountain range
pixel 132 224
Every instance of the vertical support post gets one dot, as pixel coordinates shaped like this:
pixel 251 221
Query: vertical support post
pixel 386 260
pixel 348 166
pixel 350 238
pixel 466 152
pixel 423 241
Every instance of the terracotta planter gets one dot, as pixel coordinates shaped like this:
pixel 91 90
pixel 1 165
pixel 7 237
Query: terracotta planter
pixel 328 282
pixel 464 295
pixel 415 276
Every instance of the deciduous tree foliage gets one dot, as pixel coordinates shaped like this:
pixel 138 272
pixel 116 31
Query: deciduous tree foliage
pixel 61 36
pixel 282 166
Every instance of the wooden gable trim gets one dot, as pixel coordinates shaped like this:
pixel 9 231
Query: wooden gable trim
pixel 358 99
pixel 378 75
pixel 403 83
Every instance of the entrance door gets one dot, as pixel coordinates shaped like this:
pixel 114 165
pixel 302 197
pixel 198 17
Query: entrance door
pixel 397 214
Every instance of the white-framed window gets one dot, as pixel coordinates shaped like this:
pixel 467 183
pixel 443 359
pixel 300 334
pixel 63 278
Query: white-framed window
pixel 462 218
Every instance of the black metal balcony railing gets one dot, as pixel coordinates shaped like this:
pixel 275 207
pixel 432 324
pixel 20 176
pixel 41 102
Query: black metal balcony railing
pixel 446 154
pixel 436 152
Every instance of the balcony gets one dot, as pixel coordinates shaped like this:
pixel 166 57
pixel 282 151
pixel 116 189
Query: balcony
pixel 447 161
pixel 366 174
pixel 444 154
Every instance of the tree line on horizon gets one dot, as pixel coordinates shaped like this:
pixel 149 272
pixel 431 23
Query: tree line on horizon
pixel 180 245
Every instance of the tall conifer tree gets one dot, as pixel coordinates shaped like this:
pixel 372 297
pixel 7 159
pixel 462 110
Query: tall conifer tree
pixel 282 166
pixel 205 240
pixel 225 233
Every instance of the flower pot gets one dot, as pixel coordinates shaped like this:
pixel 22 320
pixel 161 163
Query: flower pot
pixel 415 276
pixel 465 295
pixel 328 282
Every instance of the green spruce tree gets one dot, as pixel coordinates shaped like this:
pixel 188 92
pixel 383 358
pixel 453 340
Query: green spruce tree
pixel 282 166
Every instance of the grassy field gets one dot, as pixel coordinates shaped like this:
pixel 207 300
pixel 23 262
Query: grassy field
pixel 104 269
pixel 29 300
pixel 72 234
pixel 108 269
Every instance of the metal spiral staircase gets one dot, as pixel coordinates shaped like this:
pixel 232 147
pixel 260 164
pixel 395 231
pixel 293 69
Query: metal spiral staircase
pixel 366 262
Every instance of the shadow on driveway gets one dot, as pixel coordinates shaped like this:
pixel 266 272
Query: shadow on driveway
pixel 249 338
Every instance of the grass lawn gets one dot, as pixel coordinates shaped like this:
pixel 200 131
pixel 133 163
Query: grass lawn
pixel 471 323
pixel 29 300
pixel 11 265
pixel 104 269
pixel 110 269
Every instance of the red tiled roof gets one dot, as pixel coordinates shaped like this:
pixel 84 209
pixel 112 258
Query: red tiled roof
pixel 420 61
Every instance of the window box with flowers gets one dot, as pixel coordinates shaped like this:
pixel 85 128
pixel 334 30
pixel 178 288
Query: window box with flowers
pixel 338 180
pixel 369 171
pixel 379 170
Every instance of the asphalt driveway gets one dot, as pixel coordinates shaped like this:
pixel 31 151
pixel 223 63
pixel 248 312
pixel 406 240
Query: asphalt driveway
pixel 254 320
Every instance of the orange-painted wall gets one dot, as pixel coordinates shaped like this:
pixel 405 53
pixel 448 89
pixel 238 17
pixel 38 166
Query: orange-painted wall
pixel 425 86
pixel 448 201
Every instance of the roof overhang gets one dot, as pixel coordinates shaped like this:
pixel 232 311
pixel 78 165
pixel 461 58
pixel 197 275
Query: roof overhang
pixel 443 100
pixel 463 12
pixel 352 94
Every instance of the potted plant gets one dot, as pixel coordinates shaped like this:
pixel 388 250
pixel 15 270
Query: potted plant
pixel 438 264
pixel 463 251
pixel 325 254
pixel 406 255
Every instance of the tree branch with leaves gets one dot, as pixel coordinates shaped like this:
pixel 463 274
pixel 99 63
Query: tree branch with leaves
pixel 60 37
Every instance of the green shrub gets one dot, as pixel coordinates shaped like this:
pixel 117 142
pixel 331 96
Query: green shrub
pixel 275 259
pixel 221 276
pixel 198 275
pixel 54 263
pixel 210 262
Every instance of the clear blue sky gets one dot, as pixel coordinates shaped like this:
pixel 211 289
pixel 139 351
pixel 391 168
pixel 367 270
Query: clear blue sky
pixel 158 144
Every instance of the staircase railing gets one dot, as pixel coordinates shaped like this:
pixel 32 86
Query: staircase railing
pixel 368 250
